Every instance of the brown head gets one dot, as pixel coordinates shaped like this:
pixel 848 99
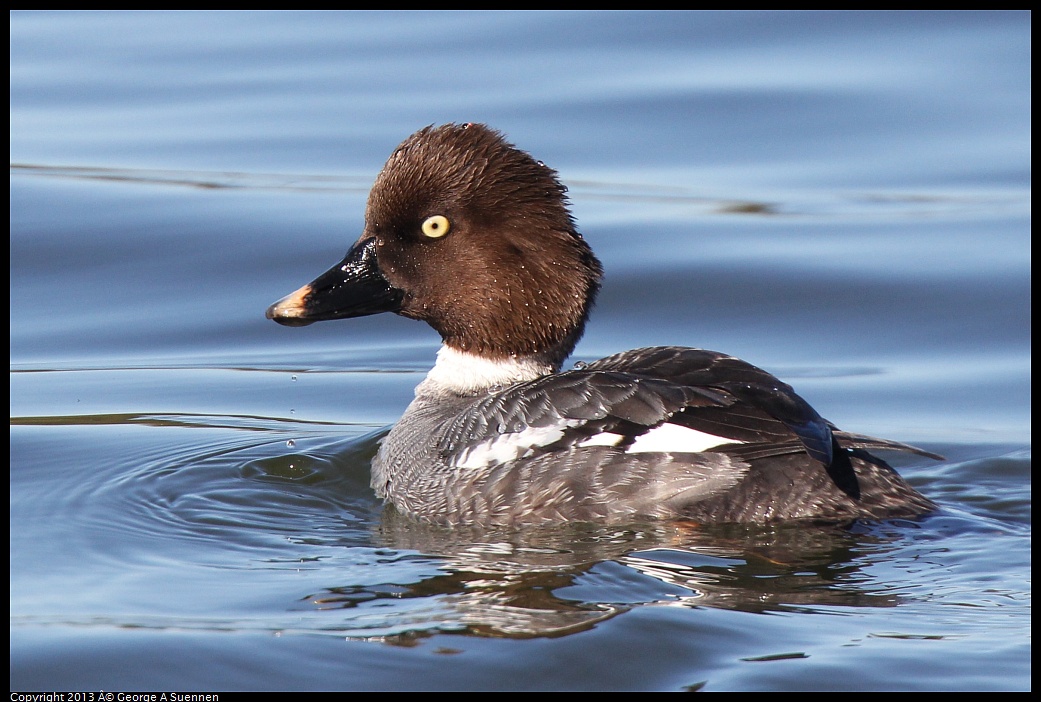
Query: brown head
pixel 472 235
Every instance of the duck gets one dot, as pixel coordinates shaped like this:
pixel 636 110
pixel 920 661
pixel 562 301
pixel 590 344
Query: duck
pixel 474 236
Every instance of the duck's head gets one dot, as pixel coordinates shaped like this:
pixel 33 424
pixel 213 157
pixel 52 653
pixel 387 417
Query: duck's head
pixel 471 235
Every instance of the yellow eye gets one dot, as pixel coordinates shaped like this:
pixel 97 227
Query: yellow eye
pixel 436 227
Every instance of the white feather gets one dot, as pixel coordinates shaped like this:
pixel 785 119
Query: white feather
pixel 467 373
pixel 667 438
pixel 507 447
pixel 672 438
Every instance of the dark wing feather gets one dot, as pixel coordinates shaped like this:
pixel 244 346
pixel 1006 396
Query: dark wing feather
pixel 767 408
pixel 581 403
pixel 850 440
pixel 632 392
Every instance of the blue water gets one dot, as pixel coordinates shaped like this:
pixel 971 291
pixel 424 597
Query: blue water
pixel 840 198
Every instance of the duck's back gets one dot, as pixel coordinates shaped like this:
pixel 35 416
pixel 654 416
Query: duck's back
pixel 568 446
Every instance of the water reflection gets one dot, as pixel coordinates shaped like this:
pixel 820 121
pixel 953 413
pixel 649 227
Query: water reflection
pixel 549 582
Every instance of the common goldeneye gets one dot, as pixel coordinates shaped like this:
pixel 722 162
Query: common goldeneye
pixel 475 237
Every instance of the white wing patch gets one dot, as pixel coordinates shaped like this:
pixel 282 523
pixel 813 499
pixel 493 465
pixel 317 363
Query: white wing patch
pixel 605 438
pixel 507 447
pixel 667 438
pixel 672 438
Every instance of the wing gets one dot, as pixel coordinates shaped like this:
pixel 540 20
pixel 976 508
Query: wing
pixel 639 401
pixel 665 400
pixel 763 409
pixel 564 410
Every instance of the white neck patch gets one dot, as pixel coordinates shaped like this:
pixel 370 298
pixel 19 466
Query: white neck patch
pixel 468 374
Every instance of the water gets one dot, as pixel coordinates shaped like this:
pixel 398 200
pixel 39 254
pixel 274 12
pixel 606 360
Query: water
pixel 843 199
